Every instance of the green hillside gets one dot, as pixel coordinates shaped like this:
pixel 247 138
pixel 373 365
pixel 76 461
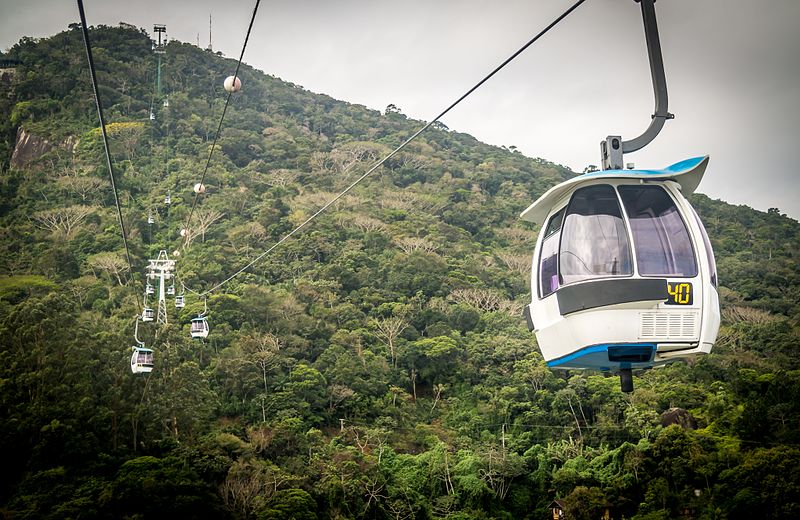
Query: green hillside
pixel 376 366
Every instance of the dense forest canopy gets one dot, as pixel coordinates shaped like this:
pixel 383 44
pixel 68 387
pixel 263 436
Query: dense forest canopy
pixel 377 366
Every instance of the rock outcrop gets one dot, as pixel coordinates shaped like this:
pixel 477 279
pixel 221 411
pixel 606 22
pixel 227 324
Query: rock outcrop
pixel 30 147
pixel 679 416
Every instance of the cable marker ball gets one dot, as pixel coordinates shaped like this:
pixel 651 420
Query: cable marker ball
pixel 233 84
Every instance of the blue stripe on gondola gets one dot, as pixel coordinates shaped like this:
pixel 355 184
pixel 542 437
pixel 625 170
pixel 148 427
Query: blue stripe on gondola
pixel 682 166
pixel 595 357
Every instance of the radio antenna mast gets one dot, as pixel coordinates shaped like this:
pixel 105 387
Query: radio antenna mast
pixel 209 48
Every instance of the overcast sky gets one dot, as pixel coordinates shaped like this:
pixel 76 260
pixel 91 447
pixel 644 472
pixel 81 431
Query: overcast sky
pixel 733 71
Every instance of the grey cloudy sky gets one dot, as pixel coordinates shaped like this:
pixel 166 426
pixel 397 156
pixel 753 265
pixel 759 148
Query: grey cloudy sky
pixel 732 70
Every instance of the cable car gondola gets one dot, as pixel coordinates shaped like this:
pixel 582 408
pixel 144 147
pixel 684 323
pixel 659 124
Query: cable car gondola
pixel 170 290
pixel 623 273
pixel 199 327
pixel 141 360
pixel 180 301
pixel 149 289
pixel 141 357
pixel 148 314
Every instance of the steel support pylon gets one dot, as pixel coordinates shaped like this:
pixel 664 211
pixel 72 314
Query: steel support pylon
pixel 162 269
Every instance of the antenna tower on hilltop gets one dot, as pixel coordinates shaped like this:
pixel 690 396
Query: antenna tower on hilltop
pixel 209 48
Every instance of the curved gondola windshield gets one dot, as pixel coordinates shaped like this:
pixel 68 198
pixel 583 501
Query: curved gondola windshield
pixel 594 241
pixel 662 241
pixel 548 267
pixel 144 357
pixel 712 264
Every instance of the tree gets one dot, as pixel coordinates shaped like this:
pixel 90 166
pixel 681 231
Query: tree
pixel 62 223
pixel 251 484
pixel 482 299
pixel 264 352
pixel 111 263
pixel 84 187
pixel 290 504
pixel 410 244
pixel 204 219
pixel 127 134
pixel 766 483
pixel 585 503
pixel 388 330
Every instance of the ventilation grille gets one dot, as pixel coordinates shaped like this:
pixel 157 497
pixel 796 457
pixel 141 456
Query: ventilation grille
pixel 670 326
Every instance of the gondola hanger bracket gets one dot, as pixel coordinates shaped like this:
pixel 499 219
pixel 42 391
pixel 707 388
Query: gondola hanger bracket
pixel 613 147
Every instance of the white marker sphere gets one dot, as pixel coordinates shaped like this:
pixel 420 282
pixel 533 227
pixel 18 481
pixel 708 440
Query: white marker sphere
pixel 176 253
pixel 233 84
pixel 199 188
pixel 184 232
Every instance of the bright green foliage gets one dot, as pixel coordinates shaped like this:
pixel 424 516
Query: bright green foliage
pixel 375 365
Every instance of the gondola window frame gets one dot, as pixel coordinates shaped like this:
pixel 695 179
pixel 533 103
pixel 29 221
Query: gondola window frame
pixel 667 239
pixel 554 235
pixel 621 228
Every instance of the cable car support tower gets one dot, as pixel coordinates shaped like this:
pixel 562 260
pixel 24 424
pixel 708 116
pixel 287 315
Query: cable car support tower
pixel 159 48
pixel 613 148
pixel 161 269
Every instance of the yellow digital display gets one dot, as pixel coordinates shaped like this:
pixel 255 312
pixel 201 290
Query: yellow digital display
pixel 680 293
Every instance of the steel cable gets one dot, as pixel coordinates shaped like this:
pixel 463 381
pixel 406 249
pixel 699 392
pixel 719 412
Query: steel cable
pixel 396 150
pixel 219 126
pixel 90 59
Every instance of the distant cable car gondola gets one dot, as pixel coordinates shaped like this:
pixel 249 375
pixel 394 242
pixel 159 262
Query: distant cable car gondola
pixel 149 289
pixel 180 299
pixel 141 357
pixel 141 360
pixel 199 328
pixel 623 272
pixel 148 314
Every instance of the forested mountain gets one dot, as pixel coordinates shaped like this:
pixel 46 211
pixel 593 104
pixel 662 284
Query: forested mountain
pixel 377 365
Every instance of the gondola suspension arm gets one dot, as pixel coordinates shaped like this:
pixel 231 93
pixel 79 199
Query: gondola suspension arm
pixel 136 333
pixel 613 148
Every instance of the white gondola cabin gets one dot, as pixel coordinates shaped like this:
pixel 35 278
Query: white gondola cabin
pixel 180 301
pixel 148 314
pixel 623 272
pixel 170 290
pixel 199 327
pixel 149 289
pixel 141 360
